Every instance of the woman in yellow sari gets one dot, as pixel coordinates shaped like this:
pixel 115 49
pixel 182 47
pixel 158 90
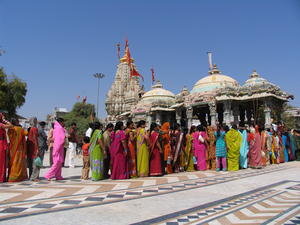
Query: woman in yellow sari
pixel 17 167
pixel 234 143
pixel 189 150
pixel 142 150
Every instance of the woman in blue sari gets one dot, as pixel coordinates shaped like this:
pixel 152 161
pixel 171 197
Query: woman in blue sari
pixel 244 149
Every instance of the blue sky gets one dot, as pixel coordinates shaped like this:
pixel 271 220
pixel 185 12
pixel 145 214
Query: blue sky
pixel 57 46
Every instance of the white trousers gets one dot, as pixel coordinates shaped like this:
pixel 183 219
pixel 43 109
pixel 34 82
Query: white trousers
pixel 72 150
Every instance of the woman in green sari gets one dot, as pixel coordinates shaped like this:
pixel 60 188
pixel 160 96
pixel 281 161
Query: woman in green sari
pixel 97 153
pixel 234 143
pixel 189 150
pixel 142 150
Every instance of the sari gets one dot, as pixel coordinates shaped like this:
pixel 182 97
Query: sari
pixel 234 143
pixel 296 140
pixel 142 154
pixel 3 147
pixel 244 150
pixel 274 150
pixel 17 165
pixel 199 151
pixel 96 156
pixel 266 142
pixel 131 154
pixel 189 153
pixel 255 151
pixel 106 161
pixel 211 148
pixel 281 157
pixel 167 147
pixel 292 148
pixel 177 150
pixel 154 156
pixel 221 151
pixel 119 162
pixel 285 150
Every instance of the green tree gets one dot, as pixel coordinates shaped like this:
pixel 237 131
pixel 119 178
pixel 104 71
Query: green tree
pixel 12 92
pixel 81 115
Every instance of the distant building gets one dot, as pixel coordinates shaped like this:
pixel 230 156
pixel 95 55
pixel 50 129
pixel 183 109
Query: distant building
pixel 58 113
pixel 295 112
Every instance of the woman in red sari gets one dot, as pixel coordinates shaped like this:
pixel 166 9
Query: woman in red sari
pixel 3 146
pixel 154 156
pixel 255 146
pixel 178 147
pixel 118 152
pixel 17 166
pixel 131 142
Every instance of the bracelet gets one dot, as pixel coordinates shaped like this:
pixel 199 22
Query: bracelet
pixel 125 150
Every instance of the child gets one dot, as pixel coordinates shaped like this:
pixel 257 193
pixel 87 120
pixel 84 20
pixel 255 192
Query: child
pixel 86 159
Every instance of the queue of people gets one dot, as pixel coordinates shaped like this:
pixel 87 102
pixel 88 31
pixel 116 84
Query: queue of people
pixel 122 152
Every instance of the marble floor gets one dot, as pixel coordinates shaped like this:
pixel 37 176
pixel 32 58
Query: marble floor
pixel 267 196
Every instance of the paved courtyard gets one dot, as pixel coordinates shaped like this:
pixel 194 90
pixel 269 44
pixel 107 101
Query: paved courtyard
pixel 267 196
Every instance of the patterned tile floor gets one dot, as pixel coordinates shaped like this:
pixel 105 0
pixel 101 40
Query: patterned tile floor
pixel 275 203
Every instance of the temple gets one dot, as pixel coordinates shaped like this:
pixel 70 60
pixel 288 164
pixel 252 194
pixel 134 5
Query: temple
pixel 214 99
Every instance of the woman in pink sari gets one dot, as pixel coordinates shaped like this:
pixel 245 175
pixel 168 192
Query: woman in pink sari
pixel 118 152
pixel 3 146
pixel 199 146
pixel 154 156
pixel 255 146
pixel 58 150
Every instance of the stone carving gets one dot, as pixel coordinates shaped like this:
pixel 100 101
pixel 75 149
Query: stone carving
pixel 212 108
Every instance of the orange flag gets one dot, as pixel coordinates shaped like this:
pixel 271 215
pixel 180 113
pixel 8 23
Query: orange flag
pixel 133 72
pixel 153 79
pixel 78 97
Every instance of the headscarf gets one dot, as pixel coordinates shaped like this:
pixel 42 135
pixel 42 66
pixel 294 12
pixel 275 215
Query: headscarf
pixel 256 129
pixel 33 121
pixel 165 127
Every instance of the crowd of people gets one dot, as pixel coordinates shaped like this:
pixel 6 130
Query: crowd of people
pixel 122 152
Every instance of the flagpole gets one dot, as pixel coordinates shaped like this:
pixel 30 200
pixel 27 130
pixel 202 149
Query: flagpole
pixel 118 53
pixel 209 61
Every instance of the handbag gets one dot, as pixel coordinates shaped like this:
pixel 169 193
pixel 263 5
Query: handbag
pixel 38 162
pixel 263 155
pixel 66 143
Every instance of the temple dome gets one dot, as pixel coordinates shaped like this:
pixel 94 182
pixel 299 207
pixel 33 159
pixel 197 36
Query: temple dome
pixel 254 80
pixel 157 94
pixel 214 80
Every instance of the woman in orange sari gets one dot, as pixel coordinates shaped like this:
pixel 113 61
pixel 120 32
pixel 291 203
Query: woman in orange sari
pixel 17 167
pixel 131 142
pixel 211 148
pixel 167 147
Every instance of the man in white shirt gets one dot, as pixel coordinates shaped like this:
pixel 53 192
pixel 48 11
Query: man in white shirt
pixel 90 130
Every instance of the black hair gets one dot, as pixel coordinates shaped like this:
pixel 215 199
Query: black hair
pixel 200 128
pixel 118 126
pixel 153 125
pixel 219 130
pixel 234 126
pixel 268 129
pixel 96 127
pixel 73 124
pixel 142 122
pixel 110 125
pixel 52 125
pixel 42 123
pixel 13 121
pixel 192 130
pixel 226 128
pixel 91 125
pixel 129 123
pixel 176 127
pixel 185 131
pixel 86 139
pixel 60 120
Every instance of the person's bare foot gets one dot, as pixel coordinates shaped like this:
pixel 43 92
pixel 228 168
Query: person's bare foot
pixel 36 180
pixel 48 179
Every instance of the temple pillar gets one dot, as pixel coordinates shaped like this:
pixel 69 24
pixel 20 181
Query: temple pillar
pixel 249 116
pixel 189 115
pixel 227 109
pixel 267 111
pixel 242 116
pixel 158 118
pixel 178 116
pixel 149 120
pixel 279 114
pixel 212 112
pixel 235 109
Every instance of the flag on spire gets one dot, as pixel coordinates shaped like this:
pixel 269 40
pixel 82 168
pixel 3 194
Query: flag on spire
pixel 128 58
pixel 126 41
pixel 118 51
pixel 133 72
pixel 209 60
pixel 92 118
pixel 153 79
pixel 78 97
